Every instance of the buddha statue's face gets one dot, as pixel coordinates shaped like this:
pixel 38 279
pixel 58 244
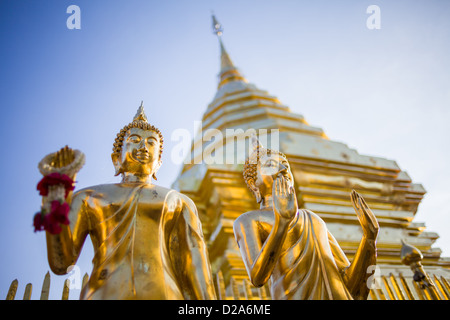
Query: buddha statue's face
pixel 270 166
pixel 140 152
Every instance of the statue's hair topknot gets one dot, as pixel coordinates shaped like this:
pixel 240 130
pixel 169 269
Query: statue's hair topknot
pixel 251 164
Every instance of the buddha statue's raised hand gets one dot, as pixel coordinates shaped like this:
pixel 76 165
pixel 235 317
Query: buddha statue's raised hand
pixel 65 161
pixel 63 157
pixel 284 199
pixel 59 170
pixel 366 217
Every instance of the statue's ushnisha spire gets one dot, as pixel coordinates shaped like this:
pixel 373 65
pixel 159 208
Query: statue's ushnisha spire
pixel 228 72
pixel 140 115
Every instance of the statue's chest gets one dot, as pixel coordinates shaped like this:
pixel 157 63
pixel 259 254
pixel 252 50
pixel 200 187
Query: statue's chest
pixel 143 207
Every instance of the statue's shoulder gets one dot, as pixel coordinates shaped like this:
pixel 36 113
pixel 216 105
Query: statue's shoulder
pixel 248 217
pixel 96 190
pixel 313 217
pixel 172 195
pixel 162 191
pixel 184 198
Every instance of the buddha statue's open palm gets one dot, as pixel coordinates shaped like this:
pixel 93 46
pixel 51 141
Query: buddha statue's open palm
pixel 63 157
pixel 366 217
pixel 284 199
pixel 65 161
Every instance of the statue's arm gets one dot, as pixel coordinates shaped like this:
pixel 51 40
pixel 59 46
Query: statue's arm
pixel 189 254
pixel 248 239
pixel 356 275
pixel 260 260
pixel 260 257
pixel 63 249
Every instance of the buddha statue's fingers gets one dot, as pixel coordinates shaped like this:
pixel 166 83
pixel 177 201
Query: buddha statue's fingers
pixel 63 157
pixel 66 160
pixel 284 199
pixel 365 215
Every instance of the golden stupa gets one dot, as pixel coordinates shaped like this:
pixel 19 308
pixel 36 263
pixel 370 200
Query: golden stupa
pixel 325 173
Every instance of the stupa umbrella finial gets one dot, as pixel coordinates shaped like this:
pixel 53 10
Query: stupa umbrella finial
pixel 228 71
pixel 217 27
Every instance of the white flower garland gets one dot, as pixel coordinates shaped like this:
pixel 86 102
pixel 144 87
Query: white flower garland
pixel 71 169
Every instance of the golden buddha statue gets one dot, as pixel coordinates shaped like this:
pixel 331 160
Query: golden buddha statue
pixel 148 241
pixel 293 248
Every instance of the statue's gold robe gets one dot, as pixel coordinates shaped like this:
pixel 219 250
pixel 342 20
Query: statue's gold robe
pixel 148 243
pixel 311 263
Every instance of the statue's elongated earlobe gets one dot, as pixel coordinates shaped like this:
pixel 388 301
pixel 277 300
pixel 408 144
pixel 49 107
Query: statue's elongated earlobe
pixel 117 164
pixel 255 191
pixel 258 196
pixel 156 170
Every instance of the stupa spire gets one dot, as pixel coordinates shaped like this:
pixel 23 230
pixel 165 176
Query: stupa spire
pixel 228 71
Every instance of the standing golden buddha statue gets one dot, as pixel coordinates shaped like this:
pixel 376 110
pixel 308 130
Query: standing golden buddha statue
pixel 148 241
pixel 293 248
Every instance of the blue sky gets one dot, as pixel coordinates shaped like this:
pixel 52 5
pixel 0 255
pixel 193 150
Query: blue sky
pixel 382 92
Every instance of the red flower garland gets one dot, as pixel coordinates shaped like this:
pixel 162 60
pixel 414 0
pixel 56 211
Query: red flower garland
pixel 59 210
pixel 51 222
pixel 55 179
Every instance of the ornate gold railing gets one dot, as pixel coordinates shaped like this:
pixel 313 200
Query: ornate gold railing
pixel 389 288
pixel 421 286
pixel 392 287
pixel 45 291
pixel 400 288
